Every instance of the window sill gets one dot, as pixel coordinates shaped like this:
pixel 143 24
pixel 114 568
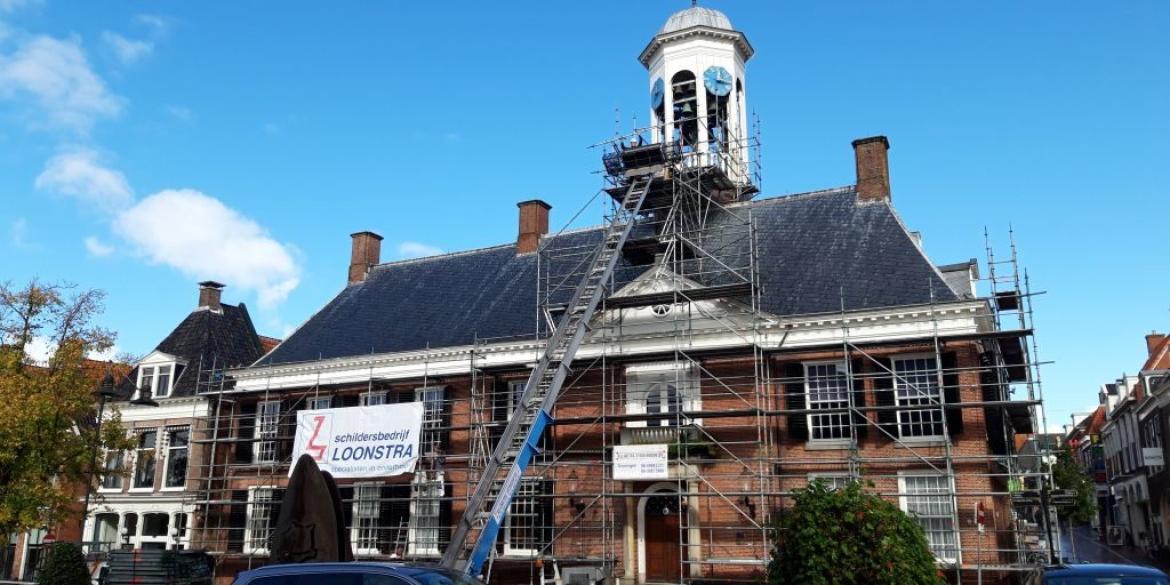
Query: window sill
pixel 109 490
pixel 141 490
pixel 909 442
pixel 827 444
pixel 519 554
pixel 181 488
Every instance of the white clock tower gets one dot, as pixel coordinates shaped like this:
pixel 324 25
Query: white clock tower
pixel 698 96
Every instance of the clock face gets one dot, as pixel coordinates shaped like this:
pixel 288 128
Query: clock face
pixel 717 80
pixel 656 94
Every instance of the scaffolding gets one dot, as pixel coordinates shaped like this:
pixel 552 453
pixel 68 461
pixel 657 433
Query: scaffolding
pixel 680 354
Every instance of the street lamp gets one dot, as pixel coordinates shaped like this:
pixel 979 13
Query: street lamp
pixel 105 392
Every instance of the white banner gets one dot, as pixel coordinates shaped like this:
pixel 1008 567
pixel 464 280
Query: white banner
pixel 640 462
pixel 367 441
pixel 1152 456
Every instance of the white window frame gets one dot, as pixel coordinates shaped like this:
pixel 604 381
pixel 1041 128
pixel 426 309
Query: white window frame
pixel 362 507
pixel 165 539
pixel 104 536
pixel 929 407
pixel 832 480
pixel 527 503
pixel 515 393
pixel 640 379
pixel 170 449
pixel 266 431
pixel 834 417
pixel 184 534
pixel 374 398
pixel 148 375
pixel 944 498
pixel 432 434
pixel 319 402
pixel 426 504
pixel 120 476
pixel 138 459
pixel 249 529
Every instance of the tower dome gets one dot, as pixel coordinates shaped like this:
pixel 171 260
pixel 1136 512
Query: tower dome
pixel 696 16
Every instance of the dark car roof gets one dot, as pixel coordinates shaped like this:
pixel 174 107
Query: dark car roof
pixel 419 572
pixel 1102 570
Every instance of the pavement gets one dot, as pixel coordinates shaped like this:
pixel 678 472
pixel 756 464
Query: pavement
pixel 1090 550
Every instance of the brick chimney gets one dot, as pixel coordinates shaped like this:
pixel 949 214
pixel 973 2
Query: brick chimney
pixel 209 294
pixel 533 224
pixel 366 252
pixel 1153 340
pixel 873 168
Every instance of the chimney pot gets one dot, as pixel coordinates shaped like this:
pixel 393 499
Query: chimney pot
pixel 365 252
pixel 533 225
pixel 1153 340
pixel 873 168
pixel 209 295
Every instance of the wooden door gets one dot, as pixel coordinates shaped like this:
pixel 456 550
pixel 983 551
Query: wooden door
pixel 662 547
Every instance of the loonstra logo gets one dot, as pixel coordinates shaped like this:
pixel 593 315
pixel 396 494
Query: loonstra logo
pixel 313 448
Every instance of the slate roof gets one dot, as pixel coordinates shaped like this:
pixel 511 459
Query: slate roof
pixel 812 248
pixel 225 337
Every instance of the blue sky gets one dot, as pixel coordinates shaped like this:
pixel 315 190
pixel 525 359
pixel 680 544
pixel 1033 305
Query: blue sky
pixel 147 145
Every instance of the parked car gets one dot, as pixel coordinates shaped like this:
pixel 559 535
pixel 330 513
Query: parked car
pixel 1097 574
pixel 355 573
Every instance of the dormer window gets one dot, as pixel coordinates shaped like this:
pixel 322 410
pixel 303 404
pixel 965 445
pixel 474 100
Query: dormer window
pixel 158 378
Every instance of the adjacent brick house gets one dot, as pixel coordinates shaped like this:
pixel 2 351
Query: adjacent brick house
pixel 162 404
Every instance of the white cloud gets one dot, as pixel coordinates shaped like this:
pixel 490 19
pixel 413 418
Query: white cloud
pixel 181 113
pixel 416 250
pixel 205 239
pixel 159 25
pixel 39 350
pixel 109 355
pixel 14 5
pixel 128 51
pixel 80 173
pixel 98 248
pixel 18 234
pixel 57 75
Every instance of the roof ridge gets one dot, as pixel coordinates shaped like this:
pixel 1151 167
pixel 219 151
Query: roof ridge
pixel 444 255
pixel 787 197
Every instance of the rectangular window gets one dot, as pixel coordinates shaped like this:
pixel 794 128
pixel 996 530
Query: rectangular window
pixel 105 532
pixel 927 498
pixel 115 462
pixel 263 505
pixel 162 382
pixel 267 422
pixel 916 384
pixel 515 393
pixel 180 521
pixel 828 388
pixel 366 504
pixel 373 398
pixel 833 481
pixel 177 447
pixel 144 460
pixel 432 434
pixel 157 378
pixel 425 504
pixel 320 403
pixel 522 526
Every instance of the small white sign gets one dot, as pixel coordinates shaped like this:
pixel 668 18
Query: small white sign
pixel 368 441
pixel 1153 456
pixel 640 462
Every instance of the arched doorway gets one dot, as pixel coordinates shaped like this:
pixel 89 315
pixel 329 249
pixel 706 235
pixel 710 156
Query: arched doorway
pixel 661 535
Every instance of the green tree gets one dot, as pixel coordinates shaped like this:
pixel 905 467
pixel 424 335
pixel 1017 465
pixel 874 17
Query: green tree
pixel 65 565
pixel 47 408
pixel 1067 474
pixel 849 537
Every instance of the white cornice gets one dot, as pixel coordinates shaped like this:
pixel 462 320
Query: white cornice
pixel 661 39
pixel 864 327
